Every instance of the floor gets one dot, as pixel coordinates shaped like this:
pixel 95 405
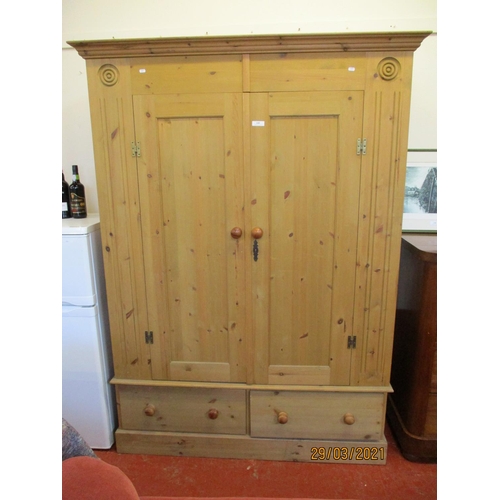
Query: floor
pixel 399 479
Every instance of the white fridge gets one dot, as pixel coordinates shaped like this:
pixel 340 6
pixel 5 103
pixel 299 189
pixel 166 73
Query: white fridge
pixel 88 401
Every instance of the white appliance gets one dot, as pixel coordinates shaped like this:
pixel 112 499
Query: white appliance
pixel 88 401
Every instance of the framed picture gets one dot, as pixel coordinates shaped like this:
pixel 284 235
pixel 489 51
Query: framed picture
pixel 420 204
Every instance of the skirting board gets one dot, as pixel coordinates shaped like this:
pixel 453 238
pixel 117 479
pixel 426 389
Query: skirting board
pixel 245 447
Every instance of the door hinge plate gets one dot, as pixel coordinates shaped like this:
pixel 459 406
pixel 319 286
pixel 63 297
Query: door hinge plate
pixel 361 147
pixel 148 337
pixel 351 342
pixel 136 149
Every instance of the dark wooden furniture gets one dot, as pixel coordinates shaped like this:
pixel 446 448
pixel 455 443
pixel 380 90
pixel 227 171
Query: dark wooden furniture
pixel 412 408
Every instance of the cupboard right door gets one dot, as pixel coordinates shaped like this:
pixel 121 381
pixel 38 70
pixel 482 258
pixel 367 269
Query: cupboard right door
pixel 304 195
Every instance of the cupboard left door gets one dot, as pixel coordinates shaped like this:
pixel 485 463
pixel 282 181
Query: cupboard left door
pixel 191 191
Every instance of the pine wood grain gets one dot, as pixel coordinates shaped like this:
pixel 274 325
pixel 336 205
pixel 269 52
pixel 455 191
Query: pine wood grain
pixel 317 415
pixel 192 187
pixel 112 133
pixel 254 44
pixel 252 133
pixel 183 410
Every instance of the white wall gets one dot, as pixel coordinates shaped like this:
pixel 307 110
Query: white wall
pixel 93 19
pixel 102 19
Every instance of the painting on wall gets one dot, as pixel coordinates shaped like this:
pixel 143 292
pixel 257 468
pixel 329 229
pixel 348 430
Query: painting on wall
pixel 420 203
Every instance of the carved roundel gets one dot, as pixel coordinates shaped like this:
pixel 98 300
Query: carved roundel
pixel 388 68
pixel 108 74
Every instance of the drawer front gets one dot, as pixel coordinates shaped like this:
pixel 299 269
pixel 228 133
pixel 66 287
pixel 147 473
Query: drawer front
pixel 315 415
pixel 179 409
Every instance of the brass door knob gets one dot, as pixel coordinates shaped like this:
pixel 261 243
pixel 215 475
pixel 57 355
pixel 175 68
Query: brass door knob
pixel 149 410
pixel 213 413
pixel 236 232
pixel 282 417
pixel 257 233
pixel 349 419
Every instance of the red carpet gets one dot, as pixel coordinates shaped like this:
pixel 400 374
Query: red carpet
pixel 399 479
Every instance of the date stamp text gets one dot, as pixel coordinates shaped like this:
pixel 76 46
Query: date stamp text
pixel 348 453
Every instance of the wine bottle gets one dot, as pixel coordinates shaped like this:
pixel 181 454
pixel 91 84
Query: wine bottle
pixel 77 196
pixel 66 208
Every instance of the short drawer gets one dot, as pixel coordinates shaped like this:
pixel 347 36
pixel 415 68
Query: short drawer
pixel 317 415
pixel 179 409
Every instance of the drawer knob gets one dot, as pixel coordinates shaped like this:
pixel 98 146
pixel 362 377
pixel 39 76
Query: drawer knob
pixel 236 232
pixel 257 233
pixel 213 413
pixel 282 417
pixel 349 419
pixel 149 410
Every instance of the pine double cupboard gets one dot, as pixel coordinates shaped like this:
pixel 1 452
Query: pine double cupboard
pixel 251 194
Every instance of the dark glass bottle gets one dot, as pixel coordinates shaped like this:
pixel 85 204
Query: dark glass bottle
pixel 77 196
pixel 66 208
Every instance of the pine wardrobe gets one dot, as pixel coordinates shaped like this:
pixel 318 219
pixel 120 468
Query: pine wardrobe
pixel 251 194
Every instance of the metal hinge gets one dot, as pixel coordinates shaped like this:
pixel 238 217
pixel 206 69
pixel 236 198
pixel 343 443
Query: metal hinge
pixel 351 342
pixel 136 148
pixel 148 336
pixel 361 147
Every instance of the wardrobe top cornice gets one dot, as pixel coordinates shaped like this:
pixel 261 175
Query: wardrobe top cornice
pixel 251 44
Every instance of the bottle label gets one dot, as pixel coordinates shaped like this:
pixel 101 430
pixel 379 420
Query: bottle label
pixel 78 205
pixel 64 206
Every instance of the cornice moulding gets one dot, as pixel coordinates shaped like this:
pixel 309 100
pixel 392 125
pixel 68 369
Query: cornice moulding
pixel 252 44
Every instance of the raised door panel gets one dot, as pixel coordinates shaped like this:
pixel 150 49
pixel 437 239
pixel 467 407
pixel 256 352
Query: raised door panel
pixel 186 74
pixel 304 196
pixel 191 197
pixel 287 72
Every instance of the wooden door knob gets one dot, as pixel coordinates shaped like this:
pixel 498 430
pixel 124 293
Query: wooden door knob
pixel 213 413
pixel 282 417
pixel 149 410
pixel 236 232
pixel 257 233
pixel 349 419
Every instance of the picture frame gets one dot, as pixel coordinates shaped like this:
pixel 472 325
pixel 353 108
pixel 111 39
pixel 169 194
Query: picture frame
pixel 420 203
